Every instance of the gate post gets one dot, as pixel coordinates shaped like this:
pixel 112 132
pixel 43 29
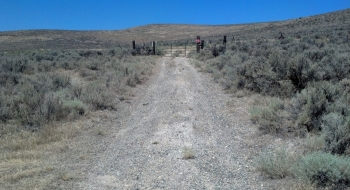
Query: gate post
pixel 198 41
pixel 154 47
pixel 224 41
pixel 133 44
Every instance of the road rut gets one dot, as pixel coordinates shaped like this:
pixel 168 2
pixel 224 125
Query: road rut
pixel 182 112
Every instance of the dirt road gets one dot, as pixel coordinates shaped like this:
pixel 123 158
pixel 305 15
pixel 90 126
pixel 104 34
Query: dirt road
pixel 179 135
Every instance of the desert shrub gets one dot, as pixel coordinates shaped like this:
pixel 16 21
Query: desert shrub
pixel 308 107
pixel 300 71
pixel 9 78
pixel 93 65
pixel 51 109
pixel 41 82
pixel 340 65
pixel 88 74
pixel 112 52
pixel 88 53
pixel 75 107
pixel 275 164
pixel 36 107
pixel 243 47
pixel 286 41
pixel 258 76
pixel 336 129
pixel 5 103
pixel 98 97
pixel 323 169
pixel 60 81
pixel 45 66
pixel 314 142
pixel 33 92
pixel 279 63
pixel 42 56
pixel 204 55
pixel 271 116
pixel 76 90
pixel 133 79
pixel 267 120
pixel 15 64
pixel 317 54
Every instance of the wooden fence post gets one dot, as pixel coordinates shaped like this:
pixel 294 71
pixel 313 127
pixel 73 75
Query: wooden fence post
pixel 133 44
pixel 154 47
pixel 198 41
pixel 224 42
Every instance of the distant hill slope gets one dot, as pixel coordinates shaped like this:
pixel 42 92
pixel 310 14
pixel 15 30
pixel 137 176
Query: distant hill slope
pixel 323 25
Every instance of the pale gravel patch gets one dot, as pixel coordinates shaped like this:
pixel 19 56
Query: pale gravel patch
pixel 181 109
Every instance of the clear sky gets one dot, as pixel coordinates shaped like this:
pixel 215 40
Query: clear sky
pixel 122 14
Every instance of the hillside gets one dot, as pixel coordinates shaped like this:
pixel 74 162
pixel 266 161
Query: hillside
pixel 323 25
pixel 261 112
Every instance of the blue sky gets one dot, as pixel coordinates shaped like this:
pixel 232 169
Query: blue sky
pixel 121 14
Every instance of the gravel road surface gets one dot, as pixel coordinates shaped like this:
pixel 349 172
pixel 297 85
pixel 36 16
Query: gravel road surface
pixel 180 135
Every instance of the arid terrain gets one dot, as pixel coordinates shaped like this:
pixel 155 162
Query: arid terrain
pixel 268 110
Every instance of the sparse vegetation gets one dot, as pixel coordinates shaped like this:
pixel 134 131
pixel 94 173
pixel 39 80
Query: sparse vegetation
pixel 43 96
pixel 304 82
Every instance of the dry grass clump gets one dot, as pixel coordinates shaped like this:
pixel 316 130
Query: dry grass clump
pixel 188 153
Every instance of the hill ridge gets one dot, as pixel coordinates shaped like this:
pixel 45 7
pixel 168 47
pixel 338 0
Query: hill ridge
pixel 324 24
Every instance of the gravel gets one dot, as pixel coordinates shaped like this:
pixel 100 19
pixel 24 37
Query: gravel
pixel 181 112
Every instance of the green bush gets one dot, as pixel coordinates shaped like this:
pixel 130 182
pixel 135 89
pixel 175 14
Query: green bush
pixel 300 71
pixel 309 105
pixel 323 169
pixel 267 120
pixel 15 64
pixel 5 103
pixel 337 133
pixel 60 81
pixel 76 107
pixel 51 108
pixel 98 97
pixel 271 117
pixel 204 55
pixel 275 164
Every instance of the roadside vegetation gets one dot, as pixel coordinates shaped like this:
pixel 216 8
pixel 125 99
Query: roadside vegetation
pixel 305 83
pixel 43 96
